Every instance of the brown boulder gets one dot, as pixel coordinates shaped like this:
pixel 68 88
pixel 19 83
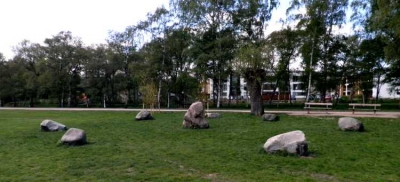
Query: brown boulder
pixel 195 118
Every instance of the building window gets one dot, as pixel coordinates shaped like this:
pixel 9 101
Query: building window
pixel 295 78
pixel 300 94
pixel 298 86
pixel 225 87
pixel 268 86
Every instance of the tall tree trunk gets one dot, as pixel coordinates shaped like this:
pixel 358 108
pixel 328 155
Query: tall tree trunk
pixel 23 104
pixel 325 80
pixel 127 97
pixel 104 100
pixel 352 93
pixel 273 92
pixel 111 97
pixel 31 100
pixel 238 91
pixel 168 98
pixel 69 95
pixel 62 97
pixel 213 93
pixel 230 89
pixel 287 91
pixel 256 102
pixel 290 91
pixel 135 95
pixel 159 94
pixel 129 93
pixel 378 88
pixel 14 102
pixel 288 83
pixel 219 92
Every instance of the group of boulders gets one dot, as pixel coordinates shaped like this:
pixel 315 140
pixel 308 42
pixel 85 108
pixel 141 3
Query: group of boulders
pixel 76 136
pixel 73 136
pixel 293 142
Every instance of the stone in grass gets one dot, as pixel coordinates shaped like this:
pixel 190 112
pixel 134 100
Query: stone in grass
pixel 293 142
pixel 270 117
pixel 195 118
pixel 144 115
pixel 50 125
pixel 213 115
pixel 350 124
pixel 74 136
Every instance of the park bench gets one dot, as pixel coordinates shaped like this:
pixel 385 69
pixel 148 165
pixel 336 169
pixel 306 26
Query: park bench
pixel 364 106
pixel 319 106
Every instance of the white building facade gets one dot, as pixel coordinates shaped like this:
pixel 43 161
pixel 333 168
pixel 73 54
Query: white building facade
pixel 297 87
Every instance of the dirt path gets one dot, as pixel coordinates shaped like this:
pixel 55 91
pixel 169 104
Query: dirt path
pixel 292 113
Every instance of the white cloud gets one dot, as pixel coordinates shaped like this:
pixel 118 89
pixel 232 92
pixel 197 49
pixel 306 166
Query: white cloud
pixel 89 19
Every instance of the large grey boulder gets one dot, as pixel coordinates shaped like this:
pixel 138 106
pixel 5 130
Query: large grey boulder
pixel 49 125
pixel 270 117
pixel 293 142
pixel 194 117
pixel 213 115
pixel 74 136
pixel 144 115
pixel 350 124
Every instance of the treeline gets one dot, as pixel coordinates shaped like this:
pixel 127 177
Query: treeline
pixel 170 56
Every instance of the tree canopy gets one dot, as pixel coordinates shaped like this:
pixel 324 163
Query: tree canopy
pixel 172 52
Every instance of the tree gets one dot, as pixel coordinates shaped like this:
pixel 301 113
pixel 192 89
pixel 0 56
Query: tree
pixel 178 56
pixel 210 20
pixel 348 61
pixel 64 65
pixel 213 53
pixel 158 25
pixel 30 55
pixel 123 46
pixel 385 21
pixel 284 44
pixel 379 19
pixel 149 94
pixel 12 80
pixel 104 78
pixel 249 19
pixel 151 62
pixel 318 22
pixel 252 64
pixel 3 79
pixel 372 65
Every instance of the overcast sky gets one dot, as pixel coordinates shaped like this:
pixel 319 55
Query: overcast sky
pixel 36 20
pixel 91 20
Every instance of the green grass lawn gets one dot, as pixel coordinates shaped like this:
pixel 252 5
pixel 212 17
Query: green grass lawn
pixel 121 149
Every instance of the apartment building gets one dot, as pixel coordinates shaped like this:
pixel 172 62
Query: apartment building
pixel 296 88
